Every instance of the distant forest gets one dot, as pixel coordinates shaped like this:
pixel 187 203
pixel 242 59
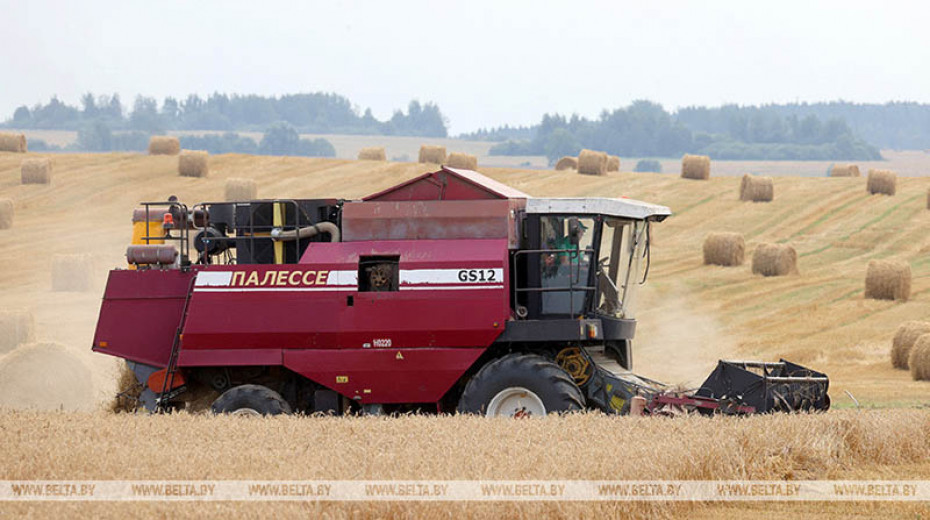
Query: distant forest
pixel 314 113
pixel 819 131
pixel 771 132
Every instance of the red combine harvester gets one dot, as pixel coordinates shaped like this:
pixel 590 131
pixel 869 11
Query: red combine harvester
pixel 448 292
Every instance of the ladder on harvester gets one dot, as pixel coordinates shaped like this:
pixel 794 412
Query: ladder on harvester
pixel 167 394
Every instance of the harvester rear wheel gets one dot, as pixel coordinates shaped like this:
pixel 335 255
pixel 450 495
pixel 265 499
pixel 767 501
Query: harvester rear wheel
pixel 251 400
pixel 520 385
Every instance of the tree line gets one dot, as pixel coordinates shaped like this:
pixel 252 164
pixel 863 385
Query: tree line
pixel 647 129
pixel 307 113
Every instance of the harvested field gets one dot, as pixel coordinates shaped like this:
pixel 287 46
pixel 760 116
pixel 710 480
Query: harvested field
pixel 182 446
pixel 16 327
pixel 462 160
pixel 193 163
pixel 692 313
pixel 567 163
pixel 372 153
pixel 72 272
pixel 433 154
pixel 36 171
pixel 241 189
pixel 774 260
pixel 888 280
pixel 164 145
pixel 7 210
pixel 726 249
pixel 591 162
pixel 687 313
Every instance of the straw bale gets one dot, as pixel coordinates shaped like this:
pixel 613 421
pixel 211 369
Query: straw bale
pixel 695 167
pixel 888 280
pixel 844 170
pixel 567 163
pixel 919 359
pixel 756 189
pixel 72 273
pixel 238 189
pixel 36 171
pixel 591 162
pixel 164 145
pixel 462 160
pixel 16 327
pixel 904 339
pixel 6 213
pixel 434 154
pixel 613 163
pixel 193 163
pixel 774 260
pixel 45 376
pixel 372 153
pixel 12 143
pixel 726 249
pixel 882 181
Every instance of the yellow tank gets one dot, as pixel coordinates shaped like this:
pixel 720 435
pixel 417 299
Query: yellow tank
pixel 155 228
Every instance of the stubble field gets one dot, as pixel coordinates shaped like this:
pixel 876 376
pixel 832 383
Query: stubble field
pixel 690 316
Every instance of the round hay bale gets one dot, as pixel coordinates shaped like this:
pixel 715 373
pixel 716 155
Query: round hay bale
pixel 613 163
pixel 888 280
pixel 882 181
pixel 6 213
pixel 36 171
pixel 726 249
pixel 72 273
pixel 919 359
pixel 774 260
pixel 434 154
pixel 462 160
pixel 756 189
pixel 45 376
pixel 591 162
pixel 695 167
pixel 16 328
pixel 904 339
pixel 844 170
pixel 567 163
pixel 241 189
pixel 928 198
pixel 193 163
pixel 372 153
pixel 164 145
pixel 12 143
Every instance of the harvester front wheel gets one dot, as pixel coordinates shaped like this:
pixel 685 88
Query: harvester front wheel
pixel 520 385
pixel 251 400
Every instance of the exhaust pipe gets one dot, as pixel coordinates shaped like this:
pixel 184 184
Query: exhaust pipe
pixel 307 232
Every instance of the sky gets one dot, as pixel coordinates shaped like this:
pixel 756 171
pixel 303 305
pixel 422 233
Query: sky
pixel 484 63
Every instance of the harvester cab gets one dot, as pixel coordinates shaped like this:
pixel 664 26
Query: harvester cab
pixel 450 291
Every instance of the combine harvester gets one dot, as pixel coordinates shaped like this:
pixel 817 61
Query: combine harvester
pixel 448 292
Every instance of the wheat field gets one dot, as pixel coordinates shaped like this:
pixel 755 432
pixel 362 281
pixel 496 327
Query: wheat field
pixel 690 316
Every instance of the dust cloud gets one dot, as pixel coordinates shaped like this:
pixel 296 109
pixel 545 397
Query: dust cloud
pixel 677 342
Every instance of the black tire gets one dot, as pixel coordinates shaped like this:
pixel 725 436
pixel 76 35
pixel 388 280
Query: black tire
pixel 260 399
pixel 554 387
